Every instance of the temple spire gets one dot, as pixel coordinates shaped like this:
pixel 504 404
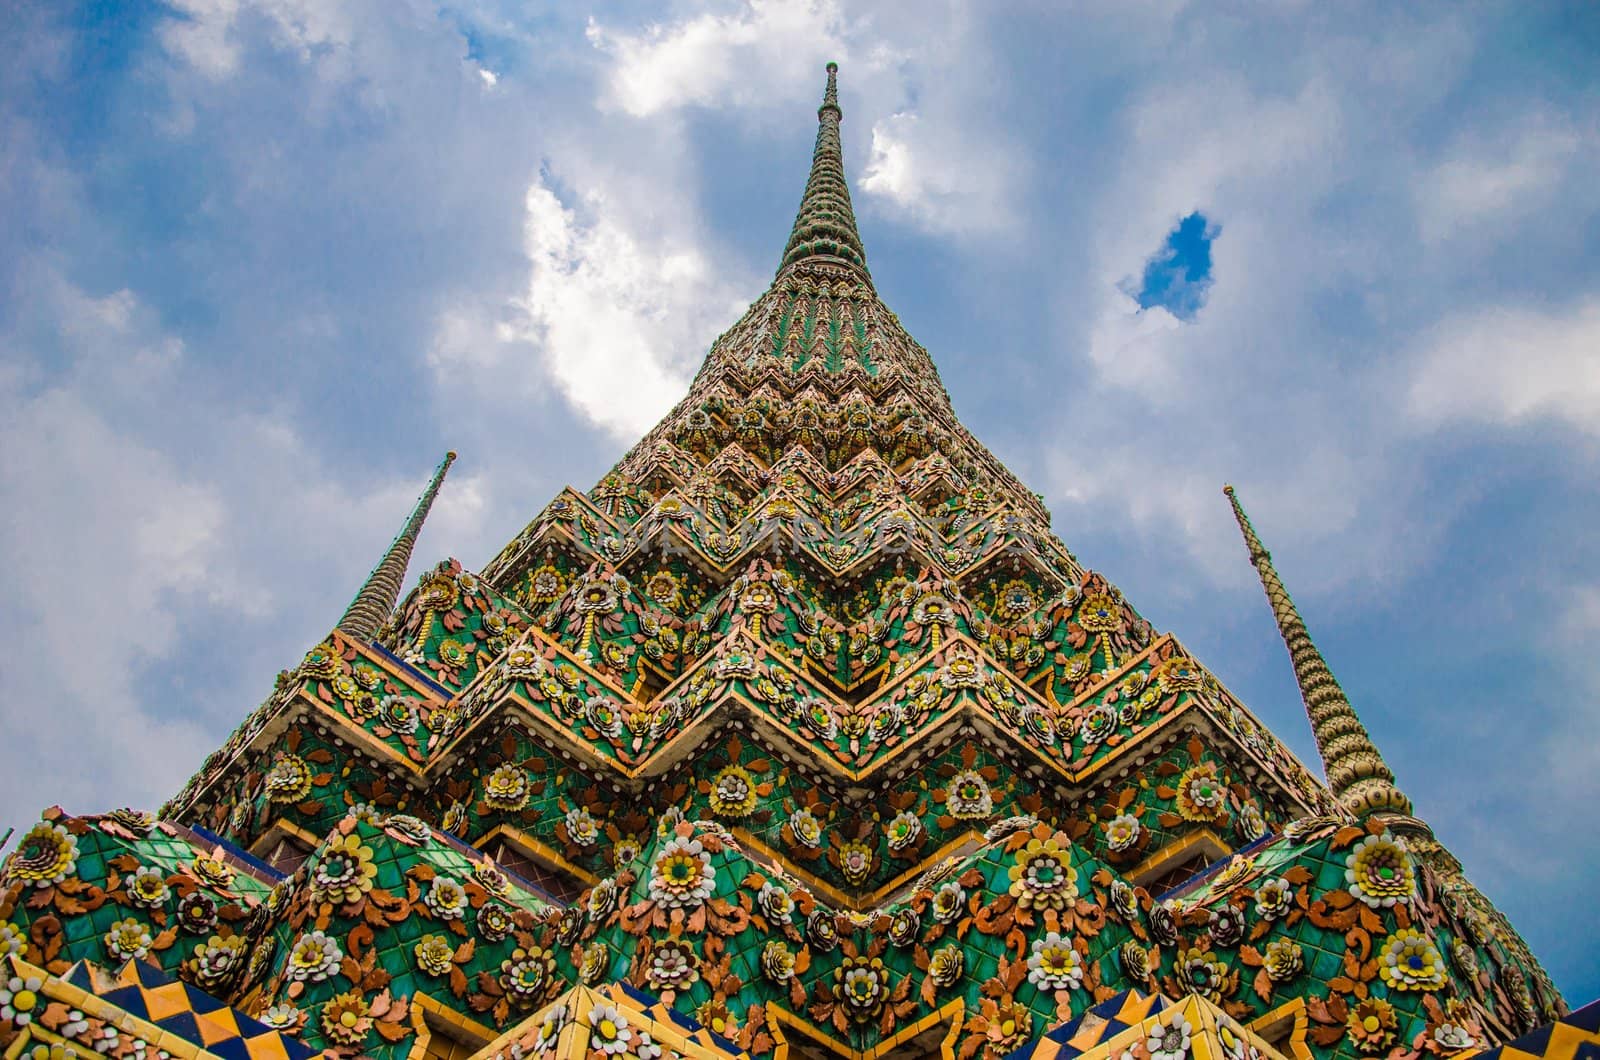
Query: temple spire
pixel 381 591
pixel 1357 773
pixel 826 223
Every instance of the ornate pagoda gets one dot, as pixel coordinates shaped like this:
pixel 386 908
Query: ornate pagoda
pixel 798 735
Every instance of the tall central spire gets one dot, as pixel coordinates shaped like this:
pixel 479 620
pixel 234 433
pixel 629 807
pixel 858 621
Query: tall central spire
pixel 826 223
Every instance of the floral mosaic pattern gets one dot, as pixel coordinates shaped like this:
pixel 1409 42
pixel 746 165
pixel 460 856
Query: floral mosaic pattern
pixel 1029 931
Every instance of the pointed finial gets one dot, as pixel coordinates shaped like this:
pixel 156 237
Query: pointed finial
pixel 1357 773
pixel 381 591
pixel 826 224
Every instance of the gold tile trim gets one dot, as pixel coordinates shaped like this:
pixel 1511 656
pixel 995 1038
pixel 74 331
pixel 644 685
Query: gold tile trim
pixel 1173 853
pixel 1295 1010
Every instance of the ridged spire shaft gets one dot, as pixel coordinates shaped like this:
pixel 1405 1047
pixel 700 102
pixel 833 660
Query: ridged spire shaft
pixel 826 223
pixel 381 591
pixel 1357 773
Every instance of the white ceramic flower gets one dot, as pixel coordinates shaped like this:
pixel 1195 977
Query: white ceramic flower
pixel 1170 1041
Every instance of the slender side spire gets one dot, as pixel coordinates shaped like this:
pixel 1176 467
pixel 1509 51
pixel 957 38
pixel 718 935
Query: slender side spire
pixel 381 591
pixel 1357 773
pixel 826 223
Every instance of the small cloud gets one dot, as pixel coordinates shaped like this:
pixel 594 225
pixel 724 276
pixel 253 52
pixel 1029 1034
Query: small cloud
pixel 617 313
pixel 201 34
pixel 922 171
pixel 490 78
pixel 1133 346
pixel 1488 180
pixel 207 33
pixel 764 49
pixel 1139 336
pixel 892 172
pixel 1508 366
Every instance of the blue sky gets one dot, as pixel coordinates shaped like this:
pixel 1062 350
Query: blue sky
pixel 1177 277
pixel 263 261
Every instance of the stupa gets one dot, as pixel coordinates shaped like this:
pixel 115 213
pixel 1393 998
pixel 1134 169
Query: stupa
pixel 798 735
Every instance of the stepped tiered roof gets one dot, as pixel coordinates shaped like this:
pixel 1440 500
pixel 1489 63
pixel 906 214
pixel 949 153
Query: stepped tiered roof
pixel 799 731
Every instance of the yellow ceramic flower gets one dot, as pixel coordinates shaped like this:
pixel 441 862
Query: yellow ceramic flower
pixel 345 871
pixel 346 1019
pixel 213 871
pixel 289 779
pixel 1100 613
pixel 861 984
pixel 215 961
pixel 1003 1026
pixel 438 591
pixel 47 855
pixel 777 962
pixel 1015 599
pixel 434 954
pixel 1378 871
pixel 945 966
pixel 1283 960
pixel 1202 972
pixel 1043 876
pixel 12 940
pixel 545 585
pixel 1371 1024
pixel 314 957
pixel 856 860
pixel 1410 961
pixel 506 788
pixel 969 797
pixel 525 975
pixel 733 792
pixel 682 875
pixel 1179 674
pixel 1122 832
pixel 128 940
pixel 1054 964
pixel 321 662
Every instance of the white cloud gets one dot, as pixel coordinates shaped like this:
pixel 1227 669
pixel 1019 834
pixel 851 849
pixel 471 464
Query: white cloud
pixel 1136 347
pixel 1489 179
pixel 925 173
pixel 1171 495
pixel 618 314
pixel 161 550
pixel 619 317
pixel 765 50
pixel 892 171
pixel 924 89
pixel 110 546
pixel 207 33
pixel 202 35
pixel 1511 365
